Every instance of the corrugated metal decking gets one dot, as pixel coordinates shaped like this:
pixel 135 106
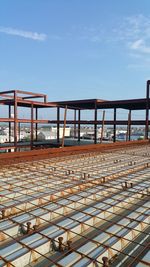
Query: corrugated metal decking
pixel 97 201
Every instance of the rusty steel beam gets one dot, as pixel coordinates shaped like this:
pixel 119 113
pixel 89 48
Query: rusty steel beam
pixel 45 153
pixel 147 110
pixel 58 124
pixel 36 103
pixel 15 121
pixel 115 115
pixel 75 118
pixel 79 124
pixel 29 93
pixel 63 137
pixel 9 125
pixel 32 118
pixel 128 127
pixel 19 131
pixel 99 122
pixel 128 136
pixel 133 104
pixel 31 97
pixel 102 130
pixel 36 124
pixel 7 96
pixel 7 92
pixel 95 124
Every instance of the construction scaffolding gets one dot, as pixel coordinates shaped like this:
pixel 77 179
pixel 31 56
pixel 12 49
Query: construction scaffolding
pixel 15 99
pixel 90 209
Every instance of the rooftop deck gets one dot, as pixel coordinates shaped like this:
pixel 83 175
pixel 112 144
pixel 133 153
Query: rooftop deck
pixel 97 202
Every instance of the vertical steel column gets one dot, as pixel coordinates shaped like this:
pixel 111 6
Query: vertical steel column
pixel 75 118
pixel 32 117
pixel 9 124
pixel 63 138
pixel 115 115
pixel 45 98
pixel 79 118
pixel 15 120
pixel 147 110
pixel 102 132
pixel 19 130
pixel 129 125
pixel 95 124
pixel 58 125
pixel 36 125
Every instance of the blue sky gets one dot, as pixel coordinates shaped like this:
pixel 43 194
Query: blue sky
pixel 75 49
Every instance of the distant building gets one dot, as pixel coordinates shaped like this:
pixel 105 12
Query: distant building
pixel 45 135
pixel 67 131
pixel 3 139
pixel 52 133
pixel 3 136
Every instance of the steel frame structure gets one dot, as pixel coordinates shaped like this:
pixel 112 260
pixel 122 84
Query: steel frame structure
pixel 90 209
pixel 16 98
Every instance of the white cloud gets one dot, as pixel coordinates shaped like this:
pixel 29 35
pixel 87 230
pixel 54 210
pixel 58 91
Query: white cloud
pixel 130 35
pixel 134 27
pixel 140 46
pixel 137 44
pixel 133 34
pixel 122 30
pixel 25 34
pixel 136 31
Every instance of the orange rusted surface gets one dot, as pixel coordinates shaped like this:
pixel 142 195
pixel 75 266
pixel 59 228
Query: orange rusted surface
pixel 8 158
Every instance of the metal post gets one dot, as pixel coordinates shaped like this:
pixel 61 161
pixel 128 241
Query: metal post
pixel 63 138
pixel 114 137
pixel 95 124
pixel 15 120
pixel 147 110
pixel 75 117
pixel 58 118
pixel 45 98
pixel 128 126
pixel 36 125
pixel 32 117
pixel 102 132
pixel 19 130
pixel 79 117
pixel 9 124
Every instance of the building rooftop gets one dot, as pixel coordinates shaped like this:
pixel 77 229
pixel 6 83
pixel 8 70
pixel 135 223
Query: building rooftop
pixel 130 104
pixel 79 210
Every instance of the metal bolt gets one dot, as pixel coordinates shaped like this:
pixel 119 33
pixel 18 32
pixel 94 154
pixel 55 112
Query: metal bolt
pixel 3 214
pixel 35 227
pixel 60 239
pixel 69 242
pixel 104 180
pixel 84 175
pixel 126 185
pixel 28 227
pixel 105 262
